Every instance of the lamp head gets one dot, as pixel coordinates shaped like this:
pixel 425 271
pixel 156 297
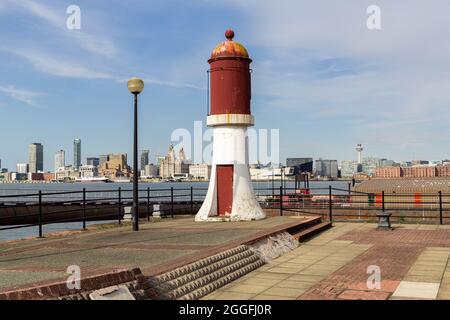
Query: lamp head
pixel 135 85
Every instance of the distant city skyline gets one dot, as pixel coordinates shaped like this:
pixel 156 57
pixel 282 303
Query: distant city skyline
pixel 146 158
pixel 324 87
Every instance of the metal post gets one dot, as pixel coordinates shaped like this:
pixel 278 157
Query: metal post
pixel 330 204
pixel 119 212
pixel 148 204
pixel 135 168
pixel 441 219
pixel 192 200
pixel 84 208
pixel 281 200
pixel 281 176
pixel 40 214
pixel 273 185
pixel 171 201
pixel 382 201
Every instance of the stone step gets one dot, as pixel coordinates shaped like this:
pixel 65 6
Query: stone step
pixel 187 269
pixel 200 278
pixel 211 287
pixel 213 280
pixel 311 231
pixel 212 268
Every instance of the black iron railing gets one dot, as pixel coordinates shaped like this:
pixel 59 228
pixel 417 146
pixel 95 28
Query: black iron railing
pixel 40 208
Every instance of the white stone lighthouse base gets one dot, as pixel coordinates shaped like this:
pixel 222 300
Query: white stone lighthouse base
pixel 230 148
pixel 245 206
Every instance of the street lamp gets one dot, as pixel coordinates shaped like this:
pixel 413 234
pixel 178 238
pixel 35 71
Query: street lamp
pixel 135 86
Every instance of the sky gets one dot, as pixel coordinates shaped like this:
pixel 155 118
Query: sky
pixel 319 75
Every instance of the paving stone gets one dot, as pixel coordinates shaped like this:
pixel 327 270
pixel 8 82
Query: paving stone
pixel 272 275
pixel 363 295
pixel 269 297
pixel 288 283
pixel 421 290
pixel 247 288
pixel 284 292
pixel 227 295
pixel 261 281
pixel 284 270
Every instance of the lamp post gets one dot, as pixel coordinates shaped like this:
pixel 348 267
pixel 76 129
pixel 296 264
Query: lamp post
pixel 135 86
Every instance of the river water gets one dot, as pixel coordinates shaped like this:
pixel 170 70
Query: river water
pixel 155 187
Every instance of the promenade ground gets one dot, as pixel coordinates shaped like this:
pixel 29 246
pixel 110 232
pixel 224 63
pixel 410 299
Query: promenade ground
pixel 413 260
pixel 157 247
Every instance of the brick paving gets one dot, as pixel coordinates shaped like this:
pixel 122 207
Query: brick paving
pixel 412 259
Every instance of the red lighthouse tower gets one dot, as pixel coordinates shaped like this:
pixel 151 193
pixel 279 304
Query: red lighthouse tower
pixel 230 194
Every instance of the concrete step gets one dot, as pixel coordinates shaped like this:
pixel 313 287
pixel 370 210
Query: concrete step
pixel 311 231
pixel 198 279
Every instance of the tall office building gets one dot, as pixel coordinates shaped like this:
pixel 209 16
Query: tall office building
pixel 60 160
pixel 326 168
pixel 144 158
pixel 301 164
pixel 22 168
pixel 76 153
pixel 93 161
pixel 36 157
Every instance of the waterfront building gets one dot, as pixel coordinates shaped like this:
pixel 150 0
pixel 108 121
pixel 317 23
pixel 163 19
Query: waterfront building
pixel 60 160
pixel 115 166
pixel 200 171
pixel 103 159
pixel 413 172
pixel 36 157
pixel 369 164
pixel 5 176
pixel 41 176
pixel 326 168
pixel 92 161
pixel 88 171
pixel 259 173
pixel 172 165
pixel 144 158
pixel 18 176
pixel 388 172
pixel 348 168
pixel 420 162
pixel 387 163
pixel 22 168
pixel 76 153
pixel 68 173
pixel 150 171
pixel 302 164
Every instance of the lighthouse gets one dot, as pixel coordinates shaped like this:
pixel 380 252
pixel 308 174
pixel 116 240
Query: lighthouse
pixel 230 195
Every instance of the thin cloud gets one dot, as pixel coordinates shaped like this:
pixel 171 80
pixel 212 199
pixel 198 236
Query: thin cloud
pixel 165 83
pixel 58 67
pixel 24 96
pixel 95 44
